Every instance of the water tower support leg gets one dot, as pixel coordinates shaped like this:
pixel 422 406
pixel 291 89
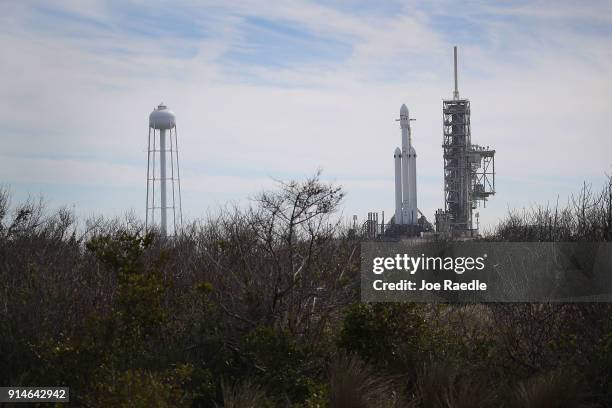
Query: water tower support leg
pixel 162 181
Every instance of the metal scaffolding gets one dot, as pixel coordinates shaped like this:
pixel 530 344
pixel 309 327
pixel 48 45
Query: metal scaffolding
pixel 469 169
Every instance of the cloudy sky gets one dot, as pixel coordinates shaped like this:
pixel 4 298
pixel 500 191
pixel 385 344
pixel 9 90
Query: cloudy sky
pixel 268 90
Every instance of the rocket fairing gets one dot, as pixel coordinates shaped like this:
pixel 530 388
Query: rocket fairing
pixel 405 175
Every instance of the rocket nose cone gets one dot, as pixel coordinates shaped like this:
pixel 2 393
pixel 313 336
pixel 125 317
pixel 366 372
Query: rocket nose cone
pixel 404 109
pixel 397 152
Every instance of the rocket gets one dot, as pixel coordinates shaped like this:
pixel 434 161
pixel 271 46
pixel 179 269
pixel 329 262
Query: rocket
pixel 405 175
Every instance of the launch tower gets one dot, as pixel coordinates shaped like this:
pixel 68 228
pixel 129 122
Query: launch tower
pixel 469 169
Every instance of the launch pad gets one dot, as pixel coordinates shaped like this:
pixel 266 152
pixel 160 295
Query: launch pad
pixel 469 179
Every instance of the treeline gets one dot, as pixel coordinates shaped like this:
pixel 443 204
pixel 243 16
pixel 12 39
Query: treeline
pixel 259 307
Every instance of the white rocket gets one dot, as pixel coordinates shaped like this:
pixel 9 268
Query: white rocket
pixel 405 175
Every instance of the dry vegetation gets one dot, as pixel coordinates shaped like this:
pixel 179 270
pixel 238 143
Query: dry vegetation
pixel 260 308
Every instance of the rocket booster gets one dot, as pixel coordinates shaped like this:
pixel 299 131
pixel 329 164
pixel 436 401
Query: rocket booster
pixel 397 157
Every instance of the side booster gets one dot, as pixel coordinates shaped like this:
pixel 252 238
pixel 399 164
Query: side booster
pixel 406 212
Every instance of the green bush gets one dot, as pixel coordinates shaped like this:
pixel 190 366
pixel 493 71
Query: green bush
pixel 394 336
pixel 140 389
pixel 281 362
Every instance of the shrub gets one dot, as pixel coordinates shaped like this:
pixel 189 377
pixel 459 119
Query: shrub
pixel 440 385
pixel 244 395
pixel 353 384
pixel 557 389
pixel 139 389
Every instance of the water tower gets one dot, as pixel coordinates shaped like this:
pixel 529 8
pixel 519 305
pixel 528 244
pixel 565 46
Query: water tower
pixel 161 178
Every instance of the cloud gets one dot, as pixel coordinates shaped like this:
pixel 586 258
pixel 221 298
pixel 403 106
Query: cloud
pixel 279 91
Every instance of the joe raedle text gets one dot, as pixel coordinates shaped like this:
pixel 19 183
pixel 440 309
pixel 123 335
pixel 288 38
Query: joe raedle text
pixel 446 285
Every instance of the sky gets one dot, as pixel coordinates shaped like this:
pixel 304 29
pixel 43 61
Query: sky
pixel 266 91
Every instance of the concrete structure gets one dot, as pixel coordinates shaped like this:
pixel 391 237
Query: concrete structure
pixel 162 127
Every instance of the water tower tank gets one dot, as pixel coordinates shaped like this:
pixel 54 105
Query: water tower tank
pixel 162 118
